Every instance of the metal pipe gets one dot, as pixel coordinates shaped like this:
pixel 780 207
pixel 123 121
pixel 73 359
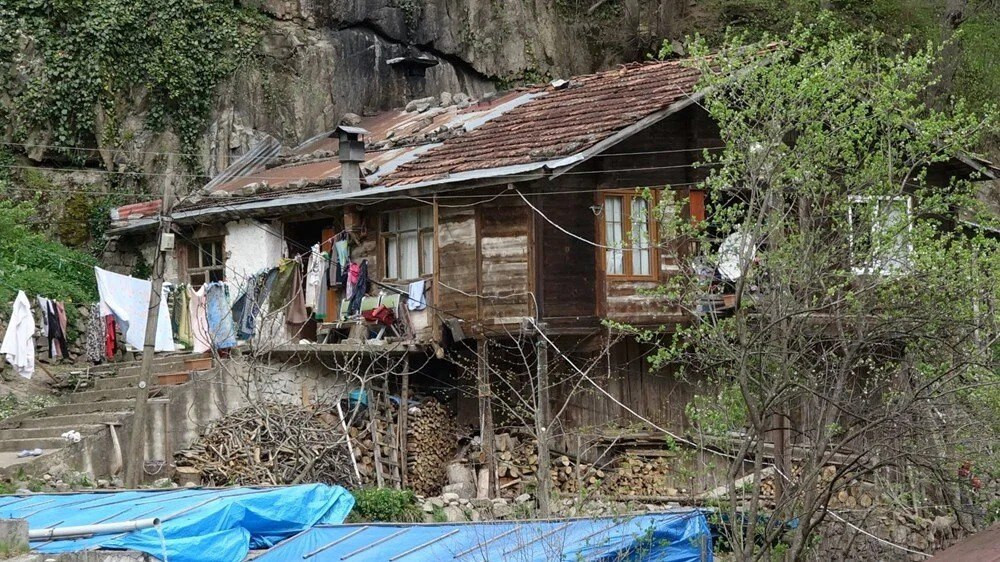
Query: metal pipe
pixel 374 544
pixel 100 529
pixel 421 546
pixel 334 543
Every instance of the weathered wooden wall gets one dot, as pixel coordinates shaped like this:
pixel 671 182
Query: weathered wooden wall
pixel 658 395
pixel 573 283
pixel 505 283
pixel 457 264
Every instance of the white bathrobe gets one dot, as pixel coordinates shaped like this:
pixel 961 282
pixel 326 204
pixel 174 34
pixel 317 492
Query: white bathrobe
pixel 19 342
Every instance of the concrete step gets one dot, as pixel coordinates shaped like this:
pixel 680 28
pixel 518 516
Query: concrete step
pixel 163 379
pixel 47 432
pixel 46 443
pixel 86 408
pixel 71 420
pixel 105 395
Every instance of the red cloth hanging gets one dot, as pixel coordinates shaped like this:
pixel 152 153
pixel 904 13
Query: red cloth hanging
pixel 110 342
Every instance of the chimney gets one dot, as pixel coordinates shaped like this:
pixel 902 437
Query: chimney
pixel 352 154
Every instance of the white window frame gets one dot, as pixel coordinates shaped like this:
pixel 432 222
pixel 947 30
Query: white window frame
pixel 627 249
pixel 391 234
pixel 889 264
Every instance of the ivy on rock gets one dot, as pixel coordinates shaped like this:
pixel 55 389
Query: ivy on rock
pixel 63 62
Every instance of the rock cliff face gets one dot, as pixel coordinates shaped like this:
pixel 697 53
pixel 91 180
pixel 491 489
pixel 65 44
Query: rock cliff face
pixel 323 59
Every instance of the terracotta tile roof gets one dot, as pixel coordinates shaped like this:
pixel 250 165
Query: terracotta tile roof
pixel 559 122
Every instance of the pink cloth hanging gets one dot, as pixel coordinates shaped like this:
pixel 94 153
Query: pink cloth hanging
pixel 353 274
pixel 199 320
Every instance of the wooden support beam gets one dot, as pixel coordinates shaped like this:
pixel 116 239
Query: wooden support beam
pixel 486 428
pixel 403 407
pixel 542 416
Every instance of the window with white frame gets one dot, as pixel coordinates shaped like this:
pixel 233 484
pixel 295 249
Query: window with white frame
pixel 408 243
pixel 627 233
pixel 879 232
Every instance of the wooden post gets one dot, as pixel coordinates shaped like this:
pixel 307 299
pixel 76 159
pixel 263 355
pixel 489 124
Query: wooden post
pixel 542 427
pixel 136 443
pixel 486 416
pixel 403 407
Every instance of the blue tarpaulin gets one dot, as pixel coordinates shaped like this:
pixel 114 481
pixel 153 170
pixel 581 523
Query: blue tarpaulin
pixel 673 536
pixel 198 525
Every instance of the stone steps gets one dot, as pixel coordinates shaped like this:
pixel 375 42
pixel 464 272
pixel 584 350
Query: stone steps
pixel 70 420
pixel 48 432
pixel 86 408
pixel 109 399
pixel 127 393
pixel 45 443
pixel 113 383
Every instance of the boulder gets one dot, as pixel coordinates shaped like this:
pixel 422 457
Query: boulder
pixel 455 514
pixel 464 490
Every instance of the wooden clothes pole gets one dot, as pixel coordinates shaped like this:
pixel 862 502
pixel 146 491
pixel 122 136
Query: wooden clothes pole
pixel 136 444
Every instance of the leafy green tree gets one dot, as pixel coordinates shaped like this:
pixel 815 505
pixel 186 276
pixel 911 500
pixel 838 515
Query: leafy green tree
pixel 864 325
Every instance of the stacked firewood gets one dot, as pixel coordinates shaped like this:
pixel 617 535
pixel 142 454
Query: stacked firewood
pixel 270 443
pixel 364 453
pixel 517 464
pixel 640 475
pixel 430 445
pixel 571 477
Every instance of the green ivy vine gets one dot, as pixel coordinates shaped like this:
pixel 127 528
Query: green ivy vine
pixel 64 62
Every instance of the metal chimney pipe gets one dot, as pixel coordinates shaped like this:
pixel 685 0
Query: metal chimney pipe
pixel 352 155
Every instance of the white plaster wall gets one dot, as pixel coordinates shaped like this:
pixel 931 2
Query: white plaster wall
pixel 251 246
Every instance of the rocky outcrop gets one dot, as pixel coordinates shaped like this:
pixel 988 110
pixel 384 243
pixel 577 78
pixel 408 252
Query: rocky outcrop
pixel 321 59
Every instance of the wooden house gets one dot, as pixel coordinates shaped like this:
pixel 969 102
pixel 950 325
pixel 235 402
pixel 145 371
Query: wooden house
pixel 522 213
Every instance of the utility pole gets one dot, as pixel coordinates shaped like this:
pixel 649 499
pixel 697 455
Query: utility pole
pixel 136 443
pixel 542 426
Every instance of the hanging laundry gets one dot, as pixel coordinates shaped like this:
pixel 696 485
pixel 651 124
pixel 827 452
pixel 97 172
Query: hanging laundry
pixel 180 315
pixel 253 300
pixel 415 299
pixel 319 311
pixel 314 275
pixel 50 326
pixel 360 289
pixel 61 315
pixel 18 344
pixel 287 293
pixel 56 333
pixel 200 339
pixel 353 273
pixel 43 305
pixel 110 335
pixel 281 287
pixel 220 320
pixel 95 335
pixel 296 312
pixel 128 299
pixel 343 251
